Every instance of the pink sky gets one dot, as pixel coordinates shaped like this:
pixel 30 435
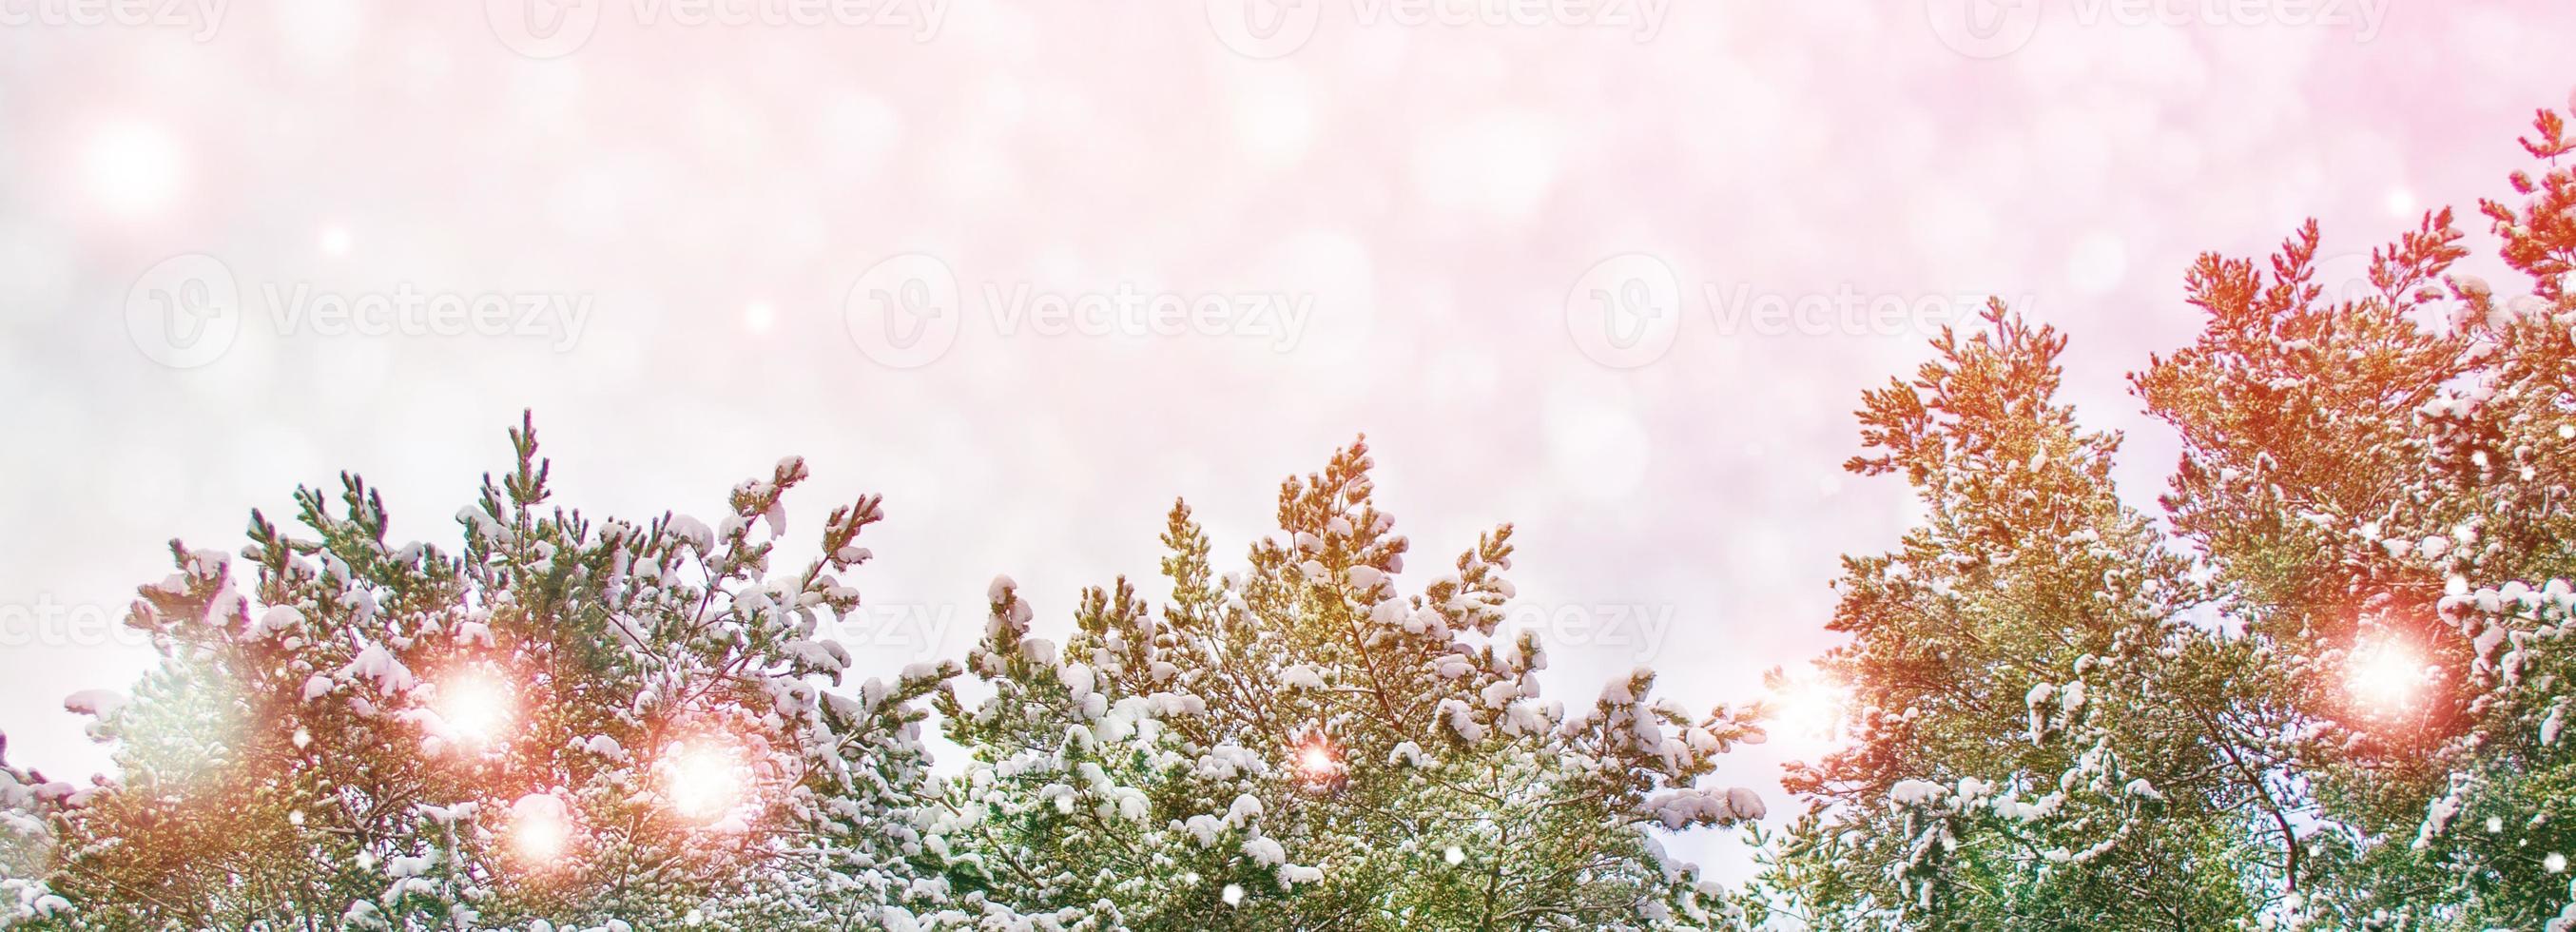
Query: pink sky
pixel 1430 200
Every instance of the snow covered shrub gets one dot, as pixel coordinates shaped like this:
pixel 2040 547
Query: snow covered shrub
pixel 569 722
pixel 1304 744
pixel 610 725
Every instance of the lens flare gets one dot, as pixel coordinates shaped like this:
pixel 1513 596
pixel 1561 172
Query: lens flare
pixel 475 706
pixel 1317 764
pixel 703 780
pixel 540 828
pixel 1806 713
pixel 1315 759
pixel 134 168
pixel 2385 676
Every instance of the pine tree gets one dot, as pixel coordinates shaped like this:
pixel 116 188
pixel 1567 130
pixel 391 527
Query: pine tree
pixel 2337 681
pixel 612 725
pixel 603 724
pixel 2384 494
pixel 2011 766
pixel 2503 830
pixel 27 802
pixel 1299 745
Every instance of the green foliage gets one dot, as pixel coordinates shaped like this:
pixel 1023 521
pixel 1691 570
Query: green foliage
pixel 621 726
pixel 1299 745
pixel 363 750
pixel 2003 662
pixel 2327 694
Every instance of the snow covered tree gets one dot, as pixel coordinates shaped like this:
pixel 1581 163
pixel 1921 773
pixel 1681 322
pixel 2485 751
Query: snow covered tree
pixel 1300 745
pixel 2344 711
pixel 2385 495
pixel 2013 765
pixel 568 723
pixel 27 801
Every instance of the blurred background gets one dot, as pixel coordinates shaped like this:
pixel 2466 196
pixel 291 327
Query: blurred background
pixel 1613 270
